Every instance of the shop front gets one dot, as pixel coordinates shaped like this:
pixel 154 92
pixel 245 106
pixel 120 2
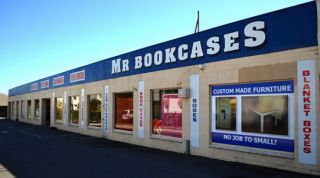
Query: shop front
pixel 245 92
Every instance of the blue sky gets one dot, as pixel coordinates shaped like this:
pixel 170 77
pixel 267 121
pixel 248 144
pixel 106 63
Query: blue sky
pixel 39 38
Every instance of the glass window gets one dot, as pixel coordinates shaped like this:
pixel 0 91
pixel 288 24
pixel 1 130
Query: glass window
pixel 36 109
pixel 74 109
pixel 166 113
pixel 265 114
pixel 258 115
pixel 29 109
pixel 58 109
pixel 23 109
pixel 226 113
pixel 124 111
pixel 94 110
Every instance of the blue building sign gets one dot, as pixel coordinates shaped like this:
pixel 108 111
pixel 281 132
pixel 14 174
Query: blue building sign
pixel 254 88
pixel 270 143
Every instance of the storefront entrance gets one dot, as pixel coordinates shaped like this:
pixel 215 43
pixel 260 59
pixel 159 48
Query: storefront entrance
pixel 9 110
pixel 17 111
pixel 46 116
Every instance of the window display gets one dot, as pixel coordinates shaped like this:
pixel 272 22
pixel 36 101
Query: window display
pixel 226 113
pixel 58 109
pixel 265 114
pixel 74 109
pixel 124 111
pixel 36 109
pixel 94 110
pixel 264 121
pixel 29 109
pixel 166 113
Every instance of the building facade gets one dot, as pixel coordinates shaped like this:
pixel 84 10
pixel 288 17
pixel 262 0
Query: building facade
pixel 246 92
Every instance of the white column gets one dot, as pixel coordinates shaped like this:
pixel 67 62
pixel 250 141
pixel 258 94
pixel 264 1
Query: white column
pixel 53 109
pixel 106 108
pixel 82 111
pixel 194 110
pixel 307 112
pixel 65 109
pixel 141 110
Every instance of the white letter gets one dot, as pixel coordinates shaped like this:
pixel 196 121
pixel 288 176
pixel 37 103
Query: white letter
pixel 229 41
pixel 169 55
pixel 182 53
pixel 214 46
pixel 254 30
pixel 196 50
pixel 116 66
pixel 138 63
pixel 158 57
pixel 125 65
pixel 147 60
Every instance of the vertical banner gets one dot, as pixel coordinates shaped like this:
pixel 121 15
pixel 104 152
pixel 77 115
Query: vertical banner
pixel 106 108
pixel 82 109
pixel 194 110
pixel 65 122
pixel 141 110
pixel 307 112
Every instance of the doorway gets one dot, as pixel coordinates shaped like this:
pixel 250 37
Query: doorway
pixel 17 111
pixel 9 110
pixel 46 114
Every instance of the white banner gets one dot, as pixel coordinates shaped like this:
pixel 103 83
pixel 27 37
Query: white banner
pixel 194 110
pixel 106 108
pixel 307 112
pixel 141 110
pixel 82 110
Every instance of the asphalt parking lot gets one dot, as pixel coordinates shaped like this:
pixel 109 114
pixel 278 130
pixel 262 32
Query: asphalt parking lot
pixel 35 151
